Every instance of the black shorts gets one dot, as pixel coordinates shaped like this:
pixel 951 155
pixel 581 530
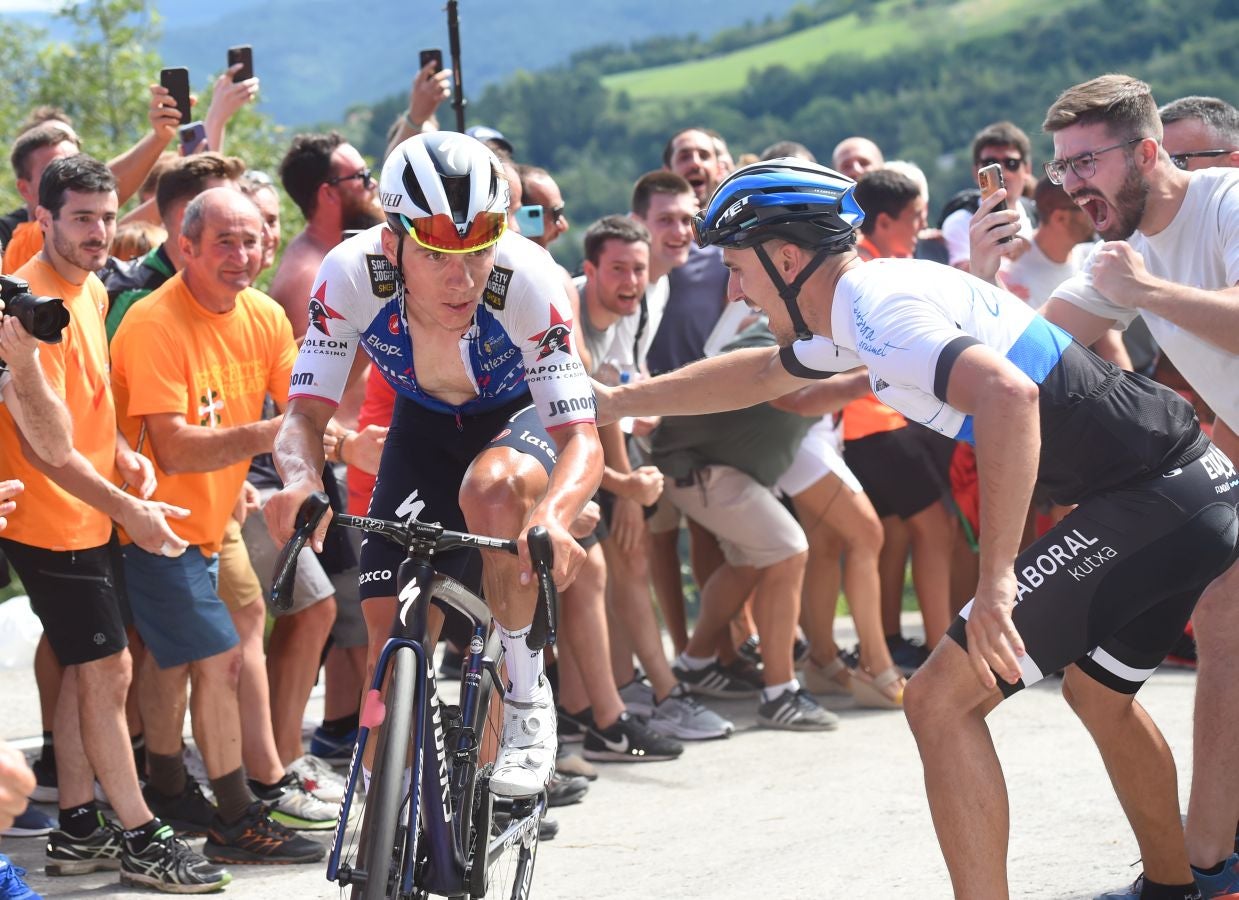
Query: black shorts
pixel 78 595
pixel 1111 587
pixel 425 458
pixel 896 470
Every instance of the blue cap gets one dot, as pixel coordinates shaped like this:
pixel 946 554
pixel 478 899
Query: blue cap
pixel 485 133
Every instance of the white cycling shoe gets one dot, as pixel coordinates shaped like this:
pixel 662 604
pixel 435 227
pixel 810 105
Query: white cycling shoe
pixel 526 755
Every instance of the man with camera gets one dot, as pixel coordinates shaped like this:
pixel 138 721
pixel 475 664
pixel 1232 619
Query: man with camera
pixel 61 540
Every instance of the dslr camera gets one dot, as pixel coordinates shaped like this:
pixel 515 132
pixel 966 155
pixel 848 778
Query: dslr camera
pixel 43 318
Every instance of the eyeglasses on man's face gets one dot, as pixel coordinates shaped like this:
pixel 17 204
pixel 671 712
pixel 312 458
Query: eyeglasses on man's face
pixel 1180 159
pixel 1083 164
pixel 1010 163
pixel 367 180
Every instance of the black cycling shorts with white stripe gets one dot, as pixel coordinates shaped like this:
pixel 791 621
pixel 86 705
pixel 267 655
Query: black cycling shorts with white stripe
pixel 1111 587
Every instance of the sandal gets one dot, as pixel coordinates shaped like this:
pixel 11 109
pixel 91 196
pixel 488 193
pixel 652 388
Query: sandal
pixel 833 678
pixel 881 691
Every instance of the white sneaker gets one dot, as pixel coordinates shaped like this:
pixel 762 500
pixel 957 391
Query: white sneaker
pixel 683 716
pixel 297 808
pixel 527 749
pixel 319 778
pixel 638 697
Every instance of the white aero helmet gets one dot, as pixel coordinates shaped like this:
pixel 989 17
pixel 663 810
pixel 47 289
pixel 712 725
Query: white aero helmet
pixel 445 190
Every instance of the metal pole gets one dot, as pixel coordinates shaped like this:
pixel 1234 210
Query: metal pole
pixel 453 35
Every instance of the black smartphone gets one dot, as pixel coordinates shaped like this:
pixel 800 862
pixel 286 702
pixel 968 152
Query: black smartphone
pixel 990 179
pixel 429 56
pixel 192 136
pixel 245 56
pixel 176 83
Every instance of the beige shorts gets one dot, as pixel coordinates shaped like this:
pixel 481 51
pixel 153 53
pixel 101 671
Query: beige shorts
pixel 753 528
pixel 238 585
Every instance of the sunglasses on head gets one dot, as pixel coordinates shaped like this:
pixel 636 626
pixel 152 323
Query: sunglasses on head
pixel 1010 163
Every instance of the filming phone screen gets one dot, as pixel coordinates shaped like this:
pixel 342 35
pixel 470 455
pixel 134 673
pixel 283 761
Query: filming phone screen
pixel 176 83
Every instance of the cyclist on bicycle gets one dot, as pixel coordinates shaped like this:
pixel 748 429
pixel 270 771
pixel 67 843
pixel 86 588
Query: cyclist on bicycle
pixel 493 430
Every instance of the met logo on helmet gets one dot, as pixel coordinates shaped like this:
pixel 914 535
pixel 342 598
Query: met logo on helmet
pixel 391 200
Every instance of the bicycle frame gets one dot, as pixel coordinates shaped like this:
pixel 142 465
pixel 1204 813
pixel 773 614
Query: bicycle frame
pixel 442 864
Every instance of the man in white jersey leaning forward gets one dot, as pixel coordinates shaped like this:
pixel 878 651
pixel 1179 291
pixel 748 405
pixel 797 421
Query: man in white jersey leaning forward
pixel 1104 594
pixel 469 323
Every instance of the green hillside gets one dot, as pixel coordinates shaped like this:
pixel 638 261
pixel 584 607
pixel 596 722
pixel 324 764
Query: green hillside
pixel 872 33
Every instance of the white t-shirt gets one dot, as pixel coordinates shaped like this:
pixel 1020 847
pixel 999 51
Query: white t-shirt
pixel 1199 248
pixel 1039 275
pixel 615 343
pixel 955 233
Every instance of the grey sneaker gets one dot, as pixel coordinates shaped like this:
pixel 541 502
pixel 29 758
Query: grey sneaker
pixel 714 681
pixel 796 711
pixel 167 864
pixel 683 716
pixel 638 697
pixel 100 850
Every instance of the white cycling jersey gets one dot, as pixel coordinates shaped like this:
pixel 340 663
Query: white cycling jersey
pixel 521 338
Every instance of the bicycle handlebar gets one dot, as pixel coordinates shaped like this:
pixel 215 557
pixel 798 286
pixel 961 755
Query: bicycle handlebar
pixel 434 538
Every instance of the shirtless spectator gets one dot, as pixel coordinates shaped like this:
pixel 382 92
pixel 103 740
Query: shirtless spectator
pixel 332 186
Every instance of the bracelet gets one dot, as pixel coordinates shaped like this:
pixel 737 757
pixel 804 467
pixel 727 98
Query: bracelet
pixel 416 126
pixel 340 446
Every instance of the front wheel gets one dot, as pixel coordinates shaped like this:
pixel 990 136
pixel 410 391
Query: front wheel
pixel 385 842
pixel 504 843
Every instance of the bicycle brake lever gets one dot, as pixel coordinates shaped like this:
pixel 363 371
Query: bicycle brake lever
pixel 541 554
pixel 309 515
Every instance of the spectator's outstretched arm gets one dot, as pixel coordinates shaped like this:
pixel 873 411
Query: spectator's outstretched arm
pixel 181 447
pixel 132 166
pixel 429 89
pixel 227 98
pixel 145 521
pixel 40 414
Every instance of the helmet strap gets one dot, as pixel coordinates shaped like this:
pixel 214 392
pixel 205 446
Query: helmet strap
pixel 790 292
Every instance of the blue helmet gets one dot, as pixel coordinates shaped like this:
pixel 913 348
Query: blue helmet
pixel 789 198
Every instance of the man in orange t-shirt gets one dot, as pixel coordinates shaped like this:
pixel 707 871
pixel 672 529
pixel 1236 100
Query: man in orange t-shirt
pixel 192 363
pixel 61 543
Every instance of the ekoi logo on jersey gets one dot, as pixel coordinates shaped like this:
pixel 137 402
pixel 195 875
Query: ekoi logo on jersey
pixel 557 337
pixel 320 312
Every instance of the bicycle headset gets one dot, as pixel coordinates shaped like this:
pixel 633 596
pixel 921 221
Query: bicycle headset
pixel 787 199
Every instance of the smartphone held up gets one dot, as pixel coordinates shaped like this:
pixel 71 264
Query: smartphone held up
pixel 990 180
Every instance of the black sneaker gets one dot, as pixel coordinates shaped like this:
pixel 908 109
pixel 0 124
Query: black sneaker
pixel 629 740
pixel 908 654
pixel 565 790
pixel 572 727
pixel 796 711
pixel 100 850
pixel 46 787
pixel 714 681
pixel 189 813
pixel 167 864
pixel 256 839
pixel 750 650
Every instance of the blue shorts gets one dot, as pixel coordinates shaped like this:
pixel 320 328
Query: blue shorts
pixel 176 605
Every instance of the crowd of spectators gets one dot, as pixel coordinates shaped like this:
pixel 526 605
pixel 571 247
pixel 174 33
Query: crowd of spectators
pixel 135 462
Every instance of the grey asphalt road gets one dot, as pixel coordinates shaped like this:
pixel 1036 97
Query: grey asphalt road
pixel 774 814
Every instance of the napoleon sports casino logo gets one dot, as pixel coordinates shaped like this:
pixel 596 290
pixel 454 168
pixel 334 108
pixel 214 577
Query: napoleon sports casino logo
pixel 320 313
pixel 557 337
